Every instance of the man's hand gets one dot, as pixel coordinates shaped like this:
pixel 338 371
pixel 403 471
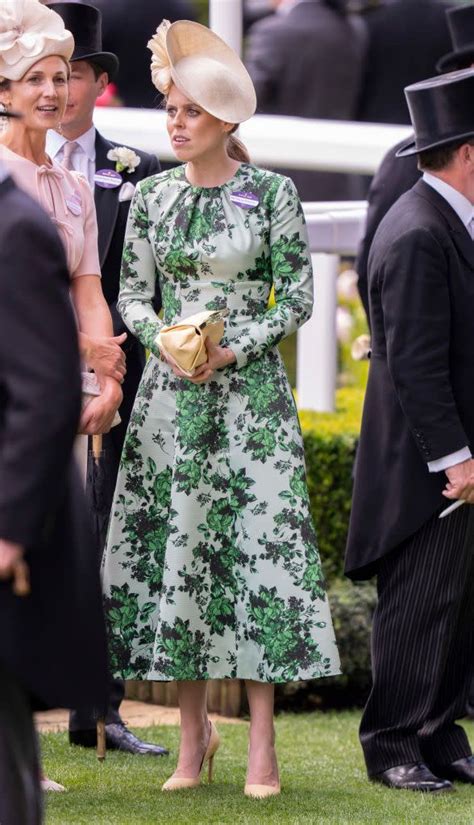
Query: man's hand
pixel 460 481
pixel 99 414
pixel 105 355
pixel 13 566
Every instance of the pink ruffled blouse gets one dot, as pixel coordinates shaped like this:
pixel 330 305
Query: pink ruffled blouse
pixel 67 198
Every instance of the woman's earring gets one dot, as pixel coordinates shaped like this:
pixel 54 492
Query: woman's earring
pixel 3 119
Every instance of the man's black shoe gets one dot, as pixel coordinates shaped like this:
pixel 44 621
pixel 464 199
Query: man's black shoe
pixel 118 738
pixel 413 777
pixel 462 770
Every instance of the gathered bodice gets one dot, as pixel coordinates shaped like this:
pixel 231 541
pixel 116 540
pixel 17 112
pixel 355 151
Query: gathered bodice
pixel 223 246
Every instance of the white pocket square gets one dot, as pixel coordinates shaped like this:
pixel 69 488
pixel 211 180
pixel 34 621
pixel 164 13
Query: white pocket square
pixel 126 192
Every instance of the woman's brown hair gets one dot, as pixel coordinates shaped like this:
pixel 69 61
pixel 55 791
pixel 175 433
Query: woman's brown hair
pixel 236 149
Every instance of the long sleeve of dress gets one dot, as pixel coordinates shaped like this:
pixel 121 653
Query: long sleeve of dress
pixel 292 276
pixel 138 277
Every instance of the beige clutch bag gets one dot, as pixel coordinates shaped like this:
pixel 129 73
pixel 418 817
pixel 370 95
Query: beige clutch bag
pixel 186 341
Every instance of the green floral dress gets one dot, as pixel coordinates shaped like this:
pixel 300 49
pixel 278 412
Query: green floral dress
pixel 211 568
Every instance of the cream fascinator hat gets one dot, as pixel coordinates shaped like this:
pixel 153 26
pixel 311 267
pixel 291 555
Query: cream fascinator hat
pixel 29 32
pixel 204 68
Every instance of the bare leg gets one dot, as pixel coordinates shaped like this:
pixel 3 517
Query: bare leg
pixel 192 698
pixel 262 766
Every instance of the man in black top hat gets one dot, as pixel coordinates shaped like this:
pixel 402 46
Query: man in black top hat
pixel 394 176
pixel 415 455
pixel 81 147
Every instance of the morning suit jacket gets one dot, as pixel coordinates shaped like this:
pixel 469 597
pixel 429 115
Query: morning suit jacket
pixel 406 40
pixel 112 221
pixel 53 640
pixel 309 63
pixel 393 177
pixel 419 403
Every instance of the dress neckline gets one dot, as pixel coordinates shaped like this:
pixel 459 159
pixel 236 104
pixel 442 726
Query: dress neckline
pixel 50 166
pixel 228 182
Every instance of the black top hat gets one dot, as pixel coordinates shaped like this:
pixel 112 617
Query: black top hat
pixel 441 111
pixel 461 29
pixel 85 24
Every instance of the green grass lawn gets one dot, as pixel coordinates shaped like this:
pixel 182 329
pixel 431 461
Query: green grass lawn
pixel 322 775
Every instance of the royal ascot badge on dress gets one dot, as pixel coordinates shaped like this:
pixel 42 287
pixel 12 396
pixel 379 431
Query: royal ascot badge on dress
pixel 246 200
pixel 74 203
pixel 108 179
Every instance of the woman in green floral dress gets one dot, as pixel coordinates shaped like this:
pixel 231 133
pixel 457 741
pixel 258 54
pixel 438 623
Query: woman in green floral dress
pixel 211 568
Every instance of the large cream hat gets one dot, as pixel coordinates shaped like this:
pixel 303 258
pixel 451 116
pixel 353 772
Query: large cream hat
pixel 204 68
pixel 29 32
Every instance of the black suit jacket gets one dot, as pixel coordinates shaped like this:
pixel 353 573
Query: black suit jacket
pixel 406 40
pixel 54 639
pixel 394 177
pixel 112 221
pixel 309 63
pixel 419 403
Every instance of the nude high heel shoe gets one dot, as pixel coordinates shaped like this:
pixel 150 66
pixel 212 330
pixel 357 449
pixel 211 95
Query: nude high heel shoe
pixel 180 783
pixel 262 791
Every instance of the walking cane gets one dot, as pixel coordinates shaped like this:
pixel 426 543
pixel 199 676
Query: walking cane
pixel 21 578
pixel 101 742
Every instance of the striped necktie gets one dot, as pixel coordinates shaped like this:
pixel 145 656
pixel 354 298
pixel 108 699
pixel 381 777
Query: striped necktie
pixel 68 150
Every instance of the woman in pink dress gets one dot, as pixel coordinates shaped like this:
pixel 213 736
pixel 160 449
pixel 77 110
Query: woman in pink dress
pixel 35 49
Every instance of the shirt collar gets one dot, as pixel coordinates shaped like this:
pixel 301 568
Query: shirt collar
pixel 462 206
pixel 86 141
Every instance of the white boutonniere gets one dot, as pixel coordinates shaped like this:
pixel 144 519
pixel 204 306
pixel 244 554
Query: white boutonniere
pixel 126 159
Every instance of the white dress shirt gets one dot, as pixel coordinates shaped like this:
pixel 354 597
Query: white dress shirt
pixel 84 155
pixel 465 211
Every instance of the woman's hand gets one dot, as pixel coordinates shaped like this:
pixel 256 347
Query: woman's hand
pixel 218 357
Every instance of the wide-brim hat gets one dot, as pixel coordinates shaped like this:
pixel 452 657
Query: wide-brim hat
pixel 85 23
pixel 441 111
pixel 29 32
pixel 461 28
pixel 204 68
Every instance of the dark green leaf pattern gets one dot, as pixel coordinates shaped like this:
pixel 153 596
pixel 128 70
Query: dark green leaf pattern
pixel 211 568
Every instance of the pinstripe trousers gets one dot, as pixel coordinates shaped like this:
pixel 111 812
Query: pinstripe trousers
pixel 422 647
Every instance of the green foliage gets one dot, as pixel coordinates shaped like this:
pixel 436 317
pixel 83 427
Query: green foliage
pixel 202 9
pixel 330 441
pixel 352 608
pixel 352 373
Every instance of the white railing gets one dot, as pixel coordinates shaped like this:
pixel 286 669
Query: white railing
pixel 273 141
pixel 334 228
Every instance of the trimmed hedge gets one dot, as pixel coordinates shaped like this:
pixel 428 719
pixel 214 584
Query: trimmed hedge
pixel 352 607
pixel 330 441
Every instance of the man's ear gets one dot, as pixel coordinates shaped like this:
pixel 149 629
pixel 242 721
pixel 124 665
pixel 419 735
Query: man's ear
pixel 102 82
